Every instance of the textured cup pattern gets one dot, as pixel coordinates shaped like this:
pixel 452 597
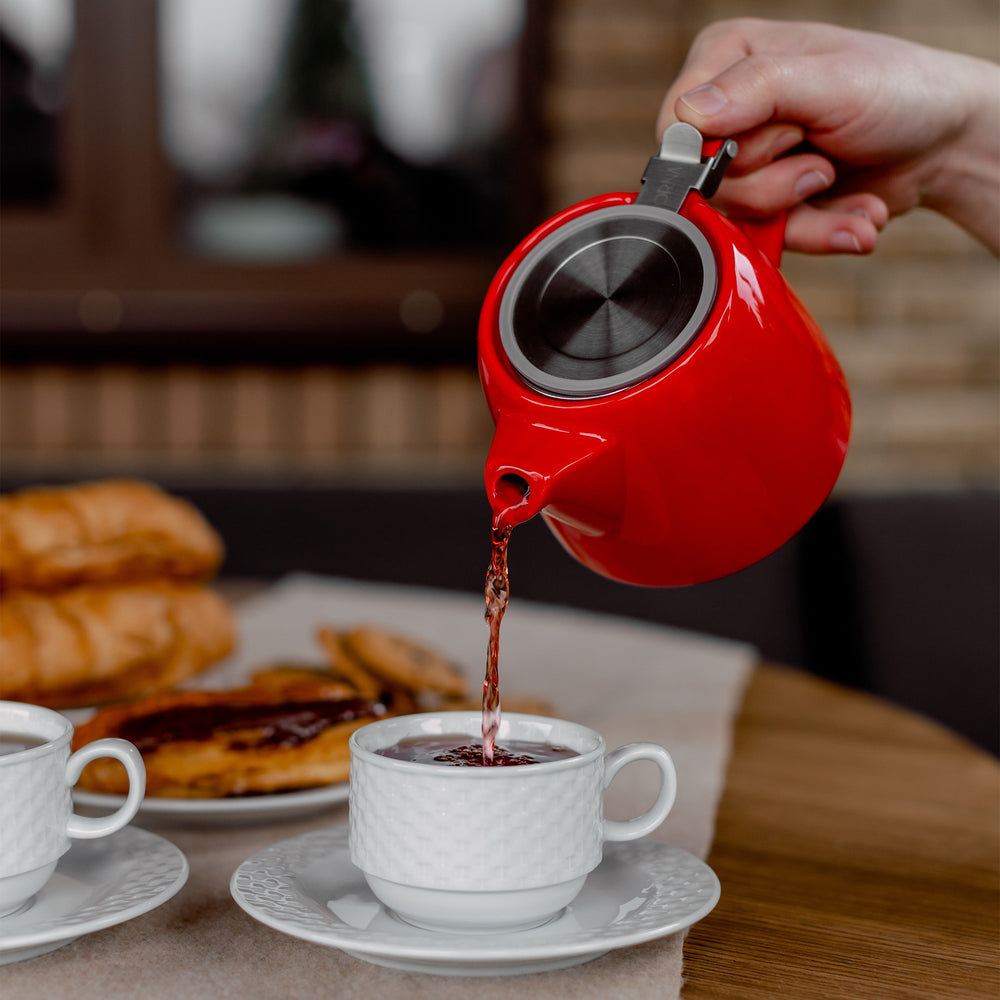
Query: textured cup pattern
pixel 465 833
pixel 34 805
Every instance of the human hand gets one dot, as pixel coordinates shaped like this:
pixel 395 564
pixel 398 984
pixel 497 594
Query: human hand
pixel 844 128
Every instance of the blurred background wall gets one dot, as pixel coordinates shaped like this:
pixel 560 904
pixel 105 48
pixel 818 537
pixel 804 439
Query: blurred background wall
pixel 243 248
pixel 252 237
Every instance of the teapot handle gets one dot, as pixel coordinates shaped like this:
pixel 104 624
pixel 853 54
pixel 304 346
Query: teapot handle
pixel 768 234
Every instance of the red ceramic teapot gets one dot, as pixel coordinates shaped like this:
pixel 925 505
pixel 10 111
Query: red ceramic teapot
pixel 661 396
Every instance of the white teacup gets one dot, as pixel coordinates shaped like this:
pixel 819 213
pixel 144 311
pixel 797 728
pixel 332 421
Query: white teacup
pixel 488 848
pixel 36 809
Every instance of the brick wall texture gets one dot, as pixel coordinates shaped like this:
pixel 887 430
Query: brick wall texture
pixel 916 326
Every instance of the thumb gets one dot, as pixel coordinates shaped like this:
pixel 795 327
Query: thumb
pixel 761 88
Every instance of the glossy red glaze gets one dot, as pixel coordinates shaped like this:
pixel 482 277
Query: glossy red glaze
pixel 708 465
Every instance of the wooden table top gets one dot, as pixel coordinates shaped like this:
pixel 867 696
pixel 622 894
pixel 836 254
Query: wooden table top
pixel 858 849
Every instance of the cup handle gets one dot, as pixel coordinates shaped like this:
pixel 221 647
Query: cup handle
pixel 646 823
pixel 89 827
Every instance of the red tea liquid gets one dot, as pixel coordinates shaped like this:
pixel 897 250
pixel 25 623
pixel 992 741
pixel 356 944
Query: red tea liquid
pixel 497 595
pixel 16 742
pixel 451 751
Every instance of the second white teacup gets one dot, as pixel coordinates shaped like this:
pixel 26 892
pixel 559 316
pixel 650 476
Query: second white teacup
pixel 37 773
pixel 488 848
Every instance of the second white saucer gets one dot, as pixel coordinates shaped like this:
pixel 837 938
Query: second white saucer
pixel 97 884
pixel 307 887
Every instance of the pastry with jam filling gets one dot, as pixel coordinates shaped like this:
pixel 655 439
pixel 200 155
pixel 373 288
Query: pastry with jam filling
pixel 286 731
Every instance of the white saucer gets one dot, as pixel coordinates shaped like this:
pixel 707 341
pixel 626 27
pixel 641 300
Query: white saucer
pixel 307 887
pixel 236 810
pixel 97 884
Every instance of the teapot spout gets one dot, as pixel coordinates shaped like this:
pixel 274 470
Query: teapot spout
pixel 574 477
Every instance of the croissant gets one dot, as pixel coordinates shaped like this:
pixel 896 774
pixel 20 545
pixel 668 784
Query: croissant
pixel 114 530
pixel 98 643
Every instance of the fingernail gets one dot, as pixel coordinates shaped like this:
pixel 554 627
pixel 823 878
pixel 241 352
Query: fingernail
pixel 845 241
pixel 706 100
pixel 811 183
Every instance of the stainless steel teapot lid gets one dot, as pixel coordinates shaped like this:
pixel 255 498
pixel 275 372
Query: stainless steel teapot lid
pixel 617 294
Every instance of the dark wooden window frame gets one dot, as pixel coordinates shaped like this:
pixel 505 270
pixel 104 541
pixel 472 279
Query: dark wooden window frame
pixel 106 245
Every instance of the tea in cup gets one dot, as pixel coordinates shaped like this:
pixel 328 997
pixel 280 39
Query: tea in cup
pixel 36 810
pixel 448 844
